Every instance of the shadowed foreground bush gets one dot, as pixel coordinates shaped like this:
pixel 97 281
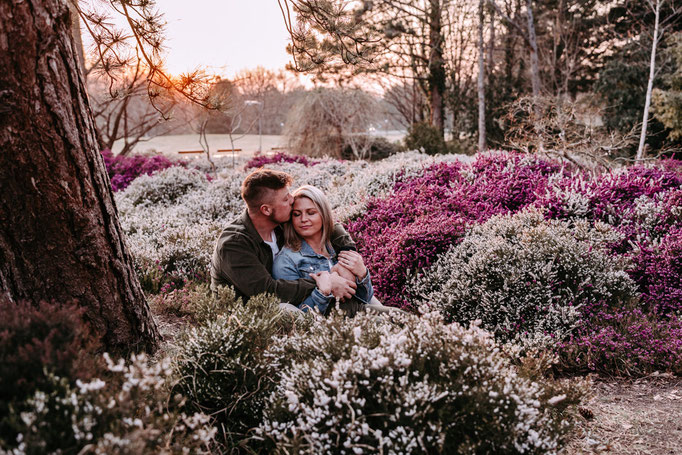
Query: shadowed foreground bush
pixel 57 397
pixel 222 364
pixel 277 383
pixel 36 342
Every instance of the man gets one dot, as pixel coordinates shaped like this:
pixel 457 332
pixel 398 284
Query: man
pixel 244 252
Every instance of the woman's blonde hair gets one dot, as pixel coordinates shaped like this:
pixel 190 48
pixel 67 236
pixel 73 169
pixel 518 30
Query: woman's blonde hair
pixel 291 238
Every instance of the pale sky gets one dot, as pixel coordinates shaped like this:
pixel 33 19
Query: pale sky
pixel 224 36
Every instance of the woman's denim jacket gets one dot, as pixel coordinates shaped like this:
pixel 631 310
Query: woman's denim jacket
pixel 292 265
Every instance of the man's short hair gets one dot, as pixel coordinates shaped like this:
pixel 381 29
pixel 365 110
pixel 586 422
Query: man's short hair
pixel 256 185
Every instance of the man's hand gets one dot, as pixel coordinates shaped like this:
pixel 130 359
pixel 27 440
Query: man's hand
pixel 341 287
pixel 353 262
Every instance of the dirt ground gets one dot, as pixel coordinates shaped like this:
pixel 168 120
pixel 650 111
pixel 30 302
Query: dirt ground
pixel 634 417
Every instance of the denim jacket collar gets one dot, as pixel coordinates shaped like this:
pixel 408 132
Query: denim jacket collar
pixel 307 250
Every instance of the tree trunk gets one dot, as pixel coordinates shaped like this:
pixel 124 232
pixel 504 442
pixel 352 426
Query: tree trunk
pixel 650 83
pixel 534 60
pixel 436 66
pixel 60 238
pixel 76 33
pixel 481 80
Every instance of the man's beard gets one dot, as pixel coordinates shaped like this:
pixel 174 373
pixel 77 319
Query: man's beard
pixel 274 219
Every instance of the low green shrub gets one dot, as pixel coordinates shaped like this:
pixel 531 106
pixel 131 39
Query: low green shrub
pixel 424 136
pixel 222 363
pixel 408 385
pixel 527 279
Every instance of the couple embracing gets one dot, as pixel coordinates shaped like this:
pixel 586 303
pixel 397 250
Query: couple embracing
pixel 287 244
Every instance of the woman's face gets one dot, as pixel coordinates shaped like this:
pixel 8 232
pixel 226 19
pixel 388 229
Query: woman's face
pixel 306 218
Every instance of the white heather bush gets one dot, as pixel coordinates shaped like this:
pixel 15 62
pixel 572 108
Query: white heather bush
pixel 164 186
pixel 176 236
pixel 650 218
pixel 128 414
pixel 410 385
pixel 574 195
pixel 525 278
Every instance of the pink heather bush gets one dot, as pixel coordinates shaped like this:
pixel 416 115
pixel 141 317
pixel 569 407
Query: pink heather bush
pixel 279 157
pixel 124 169
pixel 627 341
pixel 402 250
pixel 658 273
pixel 429 213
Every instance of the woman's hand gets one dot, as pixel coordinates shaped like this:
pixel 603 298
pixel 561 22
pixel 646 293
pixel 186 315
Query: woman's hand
pixel 353 262
pixel 331 283
pixel 323 281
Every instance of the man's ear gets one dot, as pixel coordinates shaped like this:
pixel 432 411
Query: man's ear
pixel 265 209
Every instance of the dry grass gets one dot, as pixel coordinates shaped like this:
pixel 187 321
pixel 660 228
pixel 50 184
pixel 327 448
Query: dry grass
pixel 642 416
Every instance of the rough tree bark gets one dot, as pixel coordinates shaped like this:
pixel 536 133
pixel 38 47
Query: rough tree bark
pixel 60 238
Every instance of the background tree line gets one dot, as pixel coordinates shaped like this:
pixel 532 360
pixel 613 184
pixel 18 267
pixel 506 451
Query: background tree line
pixel 589 58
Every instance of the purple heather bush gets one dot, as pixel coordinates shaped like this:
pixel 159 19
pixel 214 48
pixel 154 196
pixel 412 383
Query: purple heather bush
pixel 625 341
pixel 123 170
pixel 658 272
pixel 429 213
pixel 279 157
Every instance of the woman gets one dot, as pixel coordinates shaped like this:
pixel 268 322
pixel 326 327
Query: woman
pixel 308 251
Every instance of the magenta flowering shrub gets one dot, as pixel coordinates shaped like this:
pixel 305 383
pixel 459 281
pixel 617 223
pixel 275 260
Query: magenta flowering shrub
pixel 658 273
pixel 124 169
pixel 627 341
pixel 645 205
pixel 406 231
pixel 279 157
pixel 401 251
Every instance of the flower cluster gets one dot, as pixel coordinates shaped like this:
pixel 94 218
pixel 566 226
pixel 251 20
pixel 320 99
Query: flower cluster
pixel 414 385
pixel 279 157
pixel 124 169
